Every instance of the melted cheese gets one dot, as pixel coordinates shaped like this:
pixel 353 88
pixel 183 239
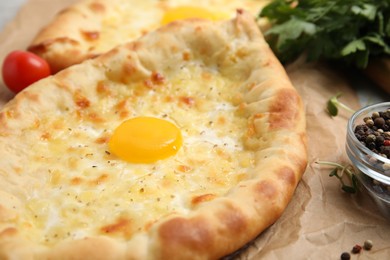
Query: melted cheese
pixel 80 189
pixel 131 19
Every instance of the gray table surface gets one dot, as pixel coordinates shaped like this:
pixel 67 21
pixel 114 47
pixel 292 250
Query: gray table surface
pixel 8 9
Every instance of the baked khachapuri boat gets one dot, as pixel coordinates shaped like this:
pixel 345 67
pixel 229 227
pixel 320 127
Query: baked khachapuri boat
pixel 184 144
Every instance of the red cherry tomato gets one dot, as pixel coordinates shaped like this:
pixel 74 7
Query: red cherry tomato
pixel 22 68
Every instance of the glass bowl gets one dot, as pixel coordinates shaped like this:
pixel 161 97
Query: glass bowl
pixel 372 169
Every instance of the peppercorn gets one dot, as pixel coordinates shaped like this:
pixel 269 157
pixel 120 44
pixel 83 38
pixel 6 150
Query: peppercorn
pixel 370 138
pixel 368 245
pixel 371 145
pixel 345 256
pixel 379 140
pixel 375 115
pixel 386 114
pixel 374 133
pixel 356 249
pixel 360 135
pixel 379 122
pixel 370 122
pixel 360 128
pixel 385 150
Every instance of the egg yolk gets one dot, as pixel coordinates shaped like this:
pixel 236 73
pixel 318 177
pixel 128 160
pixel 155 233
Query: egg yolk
pixel 185 12
pixel 145 140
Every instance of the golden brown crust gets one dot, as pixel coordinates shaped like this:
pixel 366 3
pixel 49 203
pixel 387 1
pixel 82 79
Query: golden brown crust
pixel 216 225
pixel 69 38
pixel 77 33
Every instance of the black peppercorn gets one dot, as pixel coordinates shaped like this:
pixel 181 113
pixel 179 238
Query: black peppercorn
pixel 379 140
pixel 386 115
pixel 371 145
pixel 379 122
pixel 361 132
pixel 370 131
pixel 385 150
pixel 345 256
pixel 359 128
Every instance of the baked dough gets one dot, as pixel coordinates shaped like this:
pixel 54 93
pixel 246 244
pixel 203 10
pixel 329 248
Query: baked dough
pixel 92 27
pixel 65 196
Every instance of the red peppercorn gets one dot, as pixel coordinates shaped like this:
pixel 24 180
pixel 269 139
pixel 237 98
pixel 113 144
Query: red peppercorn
pixel 386 143
pixel 356 249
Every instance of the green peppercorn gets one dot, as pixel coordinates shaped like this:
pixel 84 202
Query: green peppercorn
pixel 368 244
pixel 370 138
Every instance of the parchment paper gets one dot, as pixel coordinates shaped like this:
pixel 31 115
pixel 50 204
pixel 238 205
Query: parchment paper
pixel 321 221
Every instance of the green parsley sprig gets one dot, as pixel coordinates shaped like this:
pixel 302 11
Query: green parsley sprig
pixel 352 31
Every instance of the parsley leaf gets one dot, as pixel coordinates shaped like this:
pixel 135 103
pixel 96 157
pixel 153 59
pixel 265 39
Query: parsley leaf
pixel 292 29
pixel 351 31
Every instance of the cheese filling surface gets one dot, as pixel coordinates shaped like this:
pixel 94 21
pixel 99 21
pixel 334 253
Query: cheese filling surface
pixel 78 188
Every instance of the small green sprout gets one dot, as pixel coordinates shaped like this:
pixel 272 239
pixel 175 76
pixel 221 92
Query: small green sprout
pixel 334 103
pixel 338 172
